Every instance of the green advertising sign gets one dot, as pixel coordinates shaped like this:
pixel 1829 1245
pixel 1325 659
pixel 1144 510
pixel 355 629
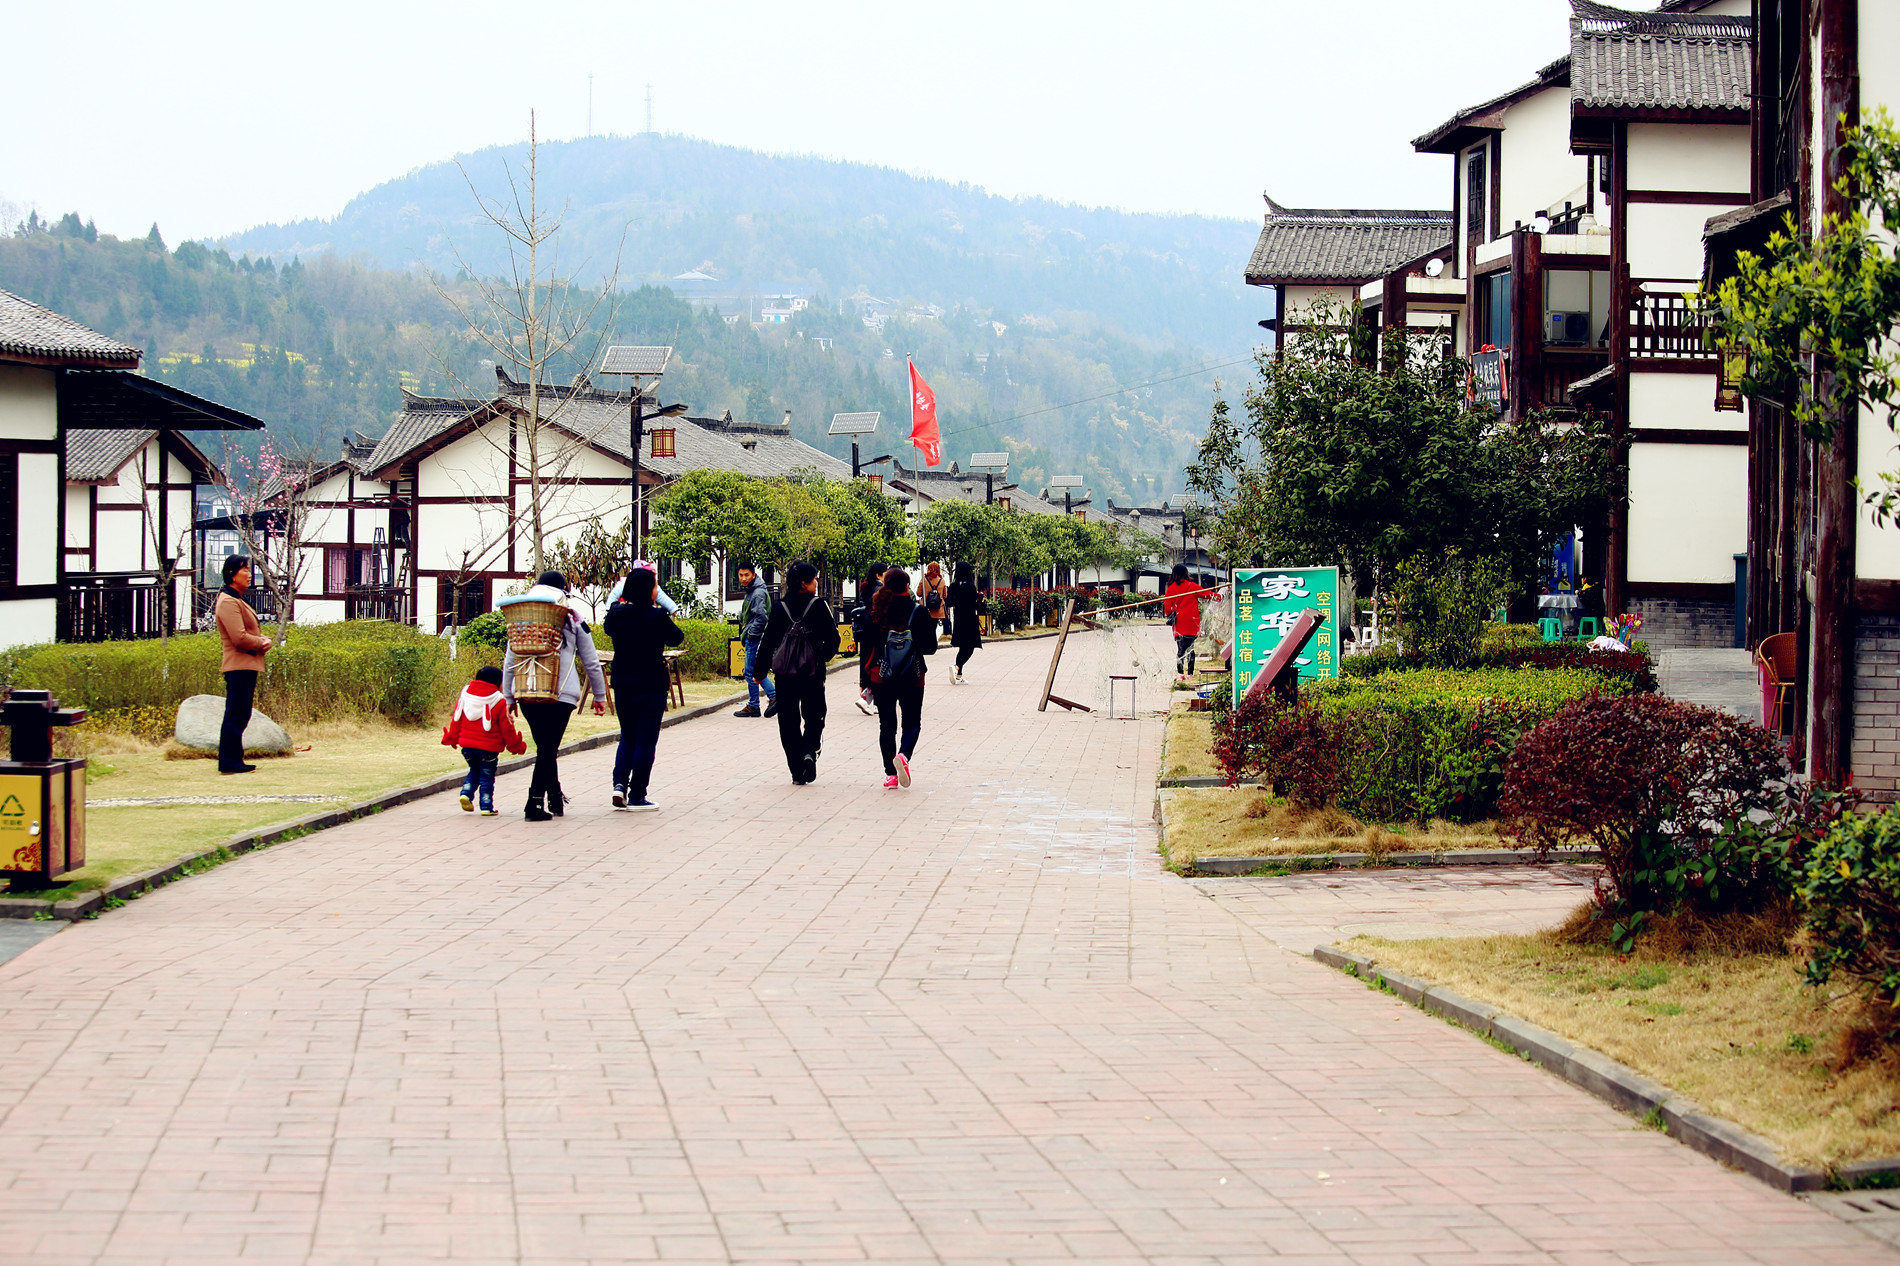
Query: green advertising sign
pixel 1266 603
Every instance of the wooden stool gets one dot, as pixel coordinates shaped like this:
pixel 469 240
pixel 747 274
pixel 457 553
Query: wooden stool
pixel 675 688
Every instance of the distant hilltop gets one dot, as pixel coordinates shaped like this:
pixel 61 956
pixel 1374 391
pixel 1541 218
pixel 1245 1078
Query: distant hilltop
pixel 763 224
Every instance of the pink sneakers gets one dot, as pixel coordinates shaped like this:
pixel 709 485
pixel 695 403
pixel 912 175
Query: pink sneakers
pixel 903 770
pixel 890 784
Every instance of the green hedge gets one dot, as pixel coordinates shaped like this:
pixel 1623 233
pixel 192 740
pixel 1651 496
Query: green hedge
pixel 1402 746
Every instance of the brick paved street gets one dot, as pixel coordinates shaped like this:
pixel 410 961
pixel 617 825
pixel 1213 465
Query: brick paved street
pixel 973 1022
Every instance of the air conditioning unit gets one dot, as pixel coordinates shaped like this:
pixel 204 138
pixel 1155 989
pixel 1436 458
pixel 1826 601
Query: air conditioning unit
pixel 1567 329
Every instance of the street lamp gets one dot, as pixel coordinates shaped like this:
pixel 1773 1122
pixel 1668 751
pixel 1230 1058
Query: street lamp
pixel 854 425
pixel 639 364
pixel 989 464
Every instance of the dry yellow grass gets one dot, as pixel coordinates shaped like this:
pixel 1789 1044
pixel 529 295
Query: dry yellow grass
pixel 1244 822
pixel 1188 752
pixel 1740 1034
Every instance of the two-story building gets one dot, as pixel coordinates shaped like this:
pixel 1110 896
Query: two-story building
pixel 97 483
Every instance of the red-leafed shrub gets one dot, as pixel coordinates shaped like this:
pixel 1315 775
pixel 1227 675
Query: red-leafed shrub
pixel 1288 746
pixel 1657 784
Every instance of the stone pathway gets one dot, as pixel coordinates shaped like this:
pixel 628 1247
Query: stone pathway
pixel 973 1022
pixel 1723 679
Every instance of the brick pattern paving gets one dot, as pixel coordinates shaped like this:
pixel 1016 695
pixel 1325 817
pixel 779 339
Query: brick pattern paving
pixel 968 1023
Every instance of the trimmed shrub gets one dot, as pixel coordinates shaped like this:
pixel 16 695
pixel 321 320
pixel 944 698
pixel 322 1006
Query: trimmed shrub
pixel 1659 786
pixel 1400 746
pixel 486 629
pixel 1440 606
pixel 1851 890
pixel 1632 669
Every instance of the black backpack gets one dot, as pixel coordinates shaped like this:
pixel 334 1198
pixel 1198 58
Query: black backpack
pixel 898 660
pixel 796 655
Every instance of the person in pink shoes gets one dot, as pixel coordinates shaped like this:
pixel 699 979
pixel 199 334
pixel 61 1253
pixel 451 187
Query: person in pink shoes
pixel 902 637
pixel 482 728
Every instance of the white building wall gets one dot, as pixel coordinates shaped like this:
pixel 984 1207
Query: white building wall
pixel 1665 239
pixel 1537 171
pixel 1698 157
pixel 40 494
pixel 1688 512
pixel 28 622
pixel 29 403
pixel 1679 400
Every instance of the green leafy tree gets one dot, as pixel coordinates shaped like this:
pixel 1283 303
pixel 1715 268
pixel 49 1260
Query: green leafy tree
pixel 1341 462
pixel 722 513
pixel 592 561
pixel 1816 316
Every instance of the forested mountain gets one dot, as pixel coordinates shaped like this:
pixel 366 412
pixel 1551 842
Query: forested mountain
pixel 1009 308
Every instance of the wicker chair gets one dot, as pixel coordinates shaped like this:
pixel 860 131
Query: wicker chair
pixel 1775 658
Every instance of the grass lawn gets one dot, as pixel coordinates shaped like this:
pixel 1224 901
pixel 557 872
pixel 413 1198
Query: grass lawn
pixel 1740 1034
pixel 1190 736
pixel 1245 822
pixel 350 760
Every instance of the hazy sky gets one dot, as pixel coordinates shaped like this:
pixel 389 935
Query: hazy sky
pixel 210 118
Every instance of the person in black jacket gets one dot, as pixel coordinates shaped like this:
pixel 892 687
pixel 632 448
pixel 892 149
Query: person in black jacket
pixel 895 610
pixel 801 686
pixel 860 630
pixel 640 632
pixel 966 604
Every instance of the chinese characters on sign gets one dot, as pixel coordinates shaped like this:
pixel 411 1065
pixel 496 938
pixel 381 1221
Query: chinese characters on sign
pixel 1266 603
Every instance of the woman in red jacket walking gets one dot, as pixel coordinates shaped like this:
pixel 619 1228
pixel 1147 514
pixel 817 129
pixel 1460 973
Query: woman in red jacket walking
pixel 1183 606
pixel 482 728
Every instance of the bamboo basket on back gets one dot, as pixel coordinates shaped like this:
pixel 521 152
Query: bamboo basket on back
pixel 534 635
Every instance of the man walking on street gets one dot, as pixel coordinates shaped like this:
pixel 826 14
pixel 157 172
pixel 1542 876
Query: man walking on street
pixel 641 632
pixel 800 640
pixel 752 620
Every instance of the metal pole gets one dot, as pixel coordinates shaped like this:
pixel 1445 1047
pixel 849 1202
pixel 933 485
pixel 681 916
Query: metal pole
pixel 989 488
pixel 854 459
pixel 633 533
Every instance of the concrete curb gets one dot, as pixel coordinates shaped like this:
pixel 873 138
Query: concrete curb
pixel 129 886
pixel 1617 1084
pixel 1230 866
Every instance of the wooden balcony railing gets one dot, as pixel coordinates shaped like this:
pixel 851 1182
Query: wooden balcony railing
pixel 1662 325
pixel 110 607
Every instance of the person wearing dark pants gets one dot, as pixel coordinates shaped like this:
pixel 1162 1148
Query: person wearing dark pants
pixel 898 668
pixel 1181 602
pixel 242 648
pixel 547 718
pixel 640 632
pixel 801 637
pixel 966 611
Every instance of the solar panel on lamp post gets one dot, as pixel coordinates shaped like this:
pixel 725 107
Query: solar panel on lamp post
pixel 989 464
pixel 1068 484
pixel 853 424
pixel 640 364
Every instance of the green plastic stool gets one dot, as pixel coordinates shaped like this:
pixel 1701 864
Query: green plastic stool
pixel 1588 627
pixel 1553 628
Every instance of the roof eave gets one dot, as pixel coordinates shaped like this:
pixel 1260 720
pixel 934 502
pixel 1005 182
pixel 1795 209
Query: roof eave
pixel 68 360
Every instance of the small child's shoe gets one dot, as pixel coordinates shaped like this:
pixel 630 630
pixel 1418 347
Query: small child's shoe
pixel 468 803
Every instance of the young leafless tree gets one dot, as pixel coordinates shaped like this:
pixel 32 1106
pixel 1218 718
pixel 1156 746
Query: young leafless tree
pixel 536 320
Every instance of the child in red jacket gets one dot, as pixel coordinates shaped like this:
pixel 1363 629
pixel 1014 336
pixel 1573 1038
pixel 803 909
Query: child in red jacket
pixel 482 728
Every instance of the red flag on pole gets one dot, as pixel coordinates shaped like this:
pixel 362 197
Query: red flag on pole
pixel 923 419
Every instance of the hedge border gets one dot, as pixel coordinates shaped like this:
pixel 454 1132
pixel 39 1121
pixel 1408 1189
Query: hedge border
pixel 1616 1083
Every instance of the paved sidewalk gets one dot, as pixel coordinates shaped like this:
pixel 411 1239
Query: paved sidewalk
pixel 973 1022
pixel 1720 679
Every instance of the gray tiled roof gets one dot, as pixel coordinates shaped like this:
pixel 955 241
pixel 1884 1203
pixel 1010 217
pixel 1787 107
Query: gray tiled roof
pixel 1669 61
pixel 95 457
pixel 1458 131
pixel 27 329
pixel 1313 245
pixel 599 417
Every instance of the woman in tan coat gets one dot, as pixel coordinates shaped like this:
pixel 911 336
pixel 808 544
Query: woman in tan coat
pixel 244 645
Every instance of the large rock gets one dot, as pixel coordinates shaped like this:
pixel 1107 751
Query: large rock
pixel 202 716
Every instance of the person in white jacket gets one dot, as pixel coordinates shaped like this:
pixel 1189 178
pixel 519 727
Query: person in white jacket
pixel 547 718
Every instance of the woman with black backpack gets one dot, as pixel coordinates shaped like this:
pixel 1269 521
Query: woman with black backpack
pixel 902 634
pixel 800 639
